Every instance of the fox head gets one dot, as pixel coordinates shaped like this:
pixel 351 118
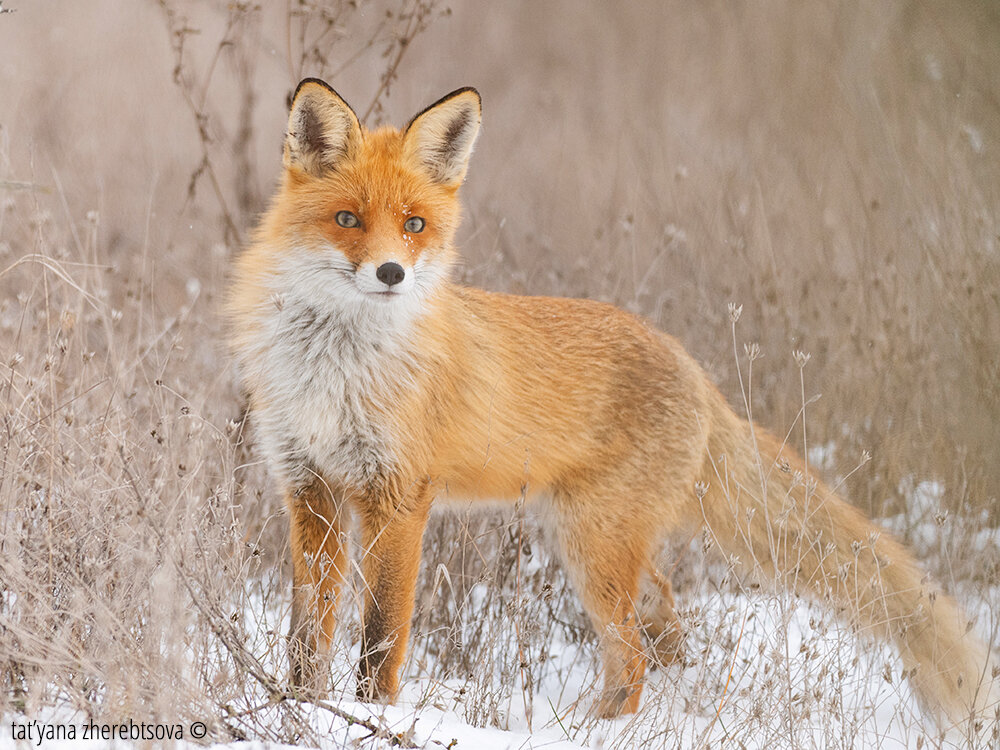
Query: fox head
pixel 373 213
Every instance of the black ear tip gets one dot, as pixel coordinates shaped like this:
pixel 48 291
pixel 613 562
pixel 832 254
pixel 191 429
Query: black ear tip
pixel 468 90
pixel 308 81
pixel 445 98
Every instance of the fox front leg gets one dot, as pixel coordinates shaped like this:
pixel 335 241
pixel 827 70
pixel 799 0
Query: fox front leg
pixel 319 562
pixel 392 530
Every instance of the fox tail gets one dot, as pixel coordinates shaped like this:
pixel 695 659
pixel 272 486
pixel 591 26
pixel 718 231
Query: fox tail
pixel 763 508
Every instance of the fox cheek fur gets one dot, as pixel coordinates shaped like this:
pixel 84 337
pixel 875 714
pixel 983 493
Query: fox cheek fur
pixel 377 384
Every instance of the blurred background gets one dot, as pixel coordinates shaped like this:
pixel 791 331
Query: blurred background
pixel 831 167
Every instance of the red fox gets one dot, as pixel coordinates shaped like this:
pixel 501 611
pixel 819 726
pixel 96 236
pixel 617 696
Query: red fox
pixel 377 384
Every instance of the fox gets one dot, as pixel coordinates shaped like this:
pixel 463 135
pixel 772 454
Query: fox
pixel 377 384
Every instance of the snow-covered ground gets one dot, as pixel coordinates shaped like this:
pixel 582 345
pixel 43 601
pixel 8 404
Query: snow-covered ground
pixel 759 664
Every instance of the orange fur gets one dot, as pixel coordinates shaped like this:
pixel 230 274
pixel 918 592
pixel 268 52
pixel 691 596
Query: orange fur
pixel 380 398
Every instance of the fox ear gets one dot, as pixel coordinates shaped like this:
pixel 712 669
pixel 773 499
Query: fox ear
pixel 322 129
pixel 441 137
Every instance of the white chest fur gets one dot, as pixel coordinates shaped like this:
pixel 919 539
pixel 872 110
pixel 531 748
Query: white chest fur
pixel 324 377
pixel 325 361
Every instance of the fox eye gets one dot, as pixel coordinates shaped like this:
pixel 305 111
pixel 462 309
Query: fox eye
pixel 347 220
pixel 414 224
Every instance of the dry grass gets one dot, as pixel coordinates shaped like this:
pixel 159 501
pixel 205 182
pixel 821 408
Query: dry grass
pixel 829 166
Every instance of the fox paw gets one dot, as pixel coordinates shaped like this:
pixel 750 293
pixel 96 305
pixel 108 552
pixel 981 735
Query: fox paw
pixel 615 703
pixel 370 691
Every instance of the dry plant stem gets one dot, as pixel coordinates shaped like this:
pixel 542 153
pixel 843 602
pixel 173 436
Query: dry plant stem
pixel 244 59
pixel 717 717
pixel 747 392
pixel 416 22
pixel 198 109
pixel 523 665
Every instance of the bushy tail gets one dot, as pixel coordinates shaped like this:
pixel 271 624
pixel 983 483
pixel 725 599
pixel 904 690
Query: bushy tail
pixel 761 507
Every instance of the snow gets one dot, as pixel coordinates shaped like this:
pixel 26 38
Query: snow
pixel 737 637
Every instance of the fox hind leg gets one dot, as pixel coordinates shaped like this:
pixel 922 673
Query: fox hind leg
pixel 318 566
pixel 660 623
pixel 605 556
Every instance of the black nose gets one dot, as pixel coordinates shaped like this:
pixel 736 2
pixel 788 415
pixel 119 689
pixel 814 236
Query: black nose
pixel 390 273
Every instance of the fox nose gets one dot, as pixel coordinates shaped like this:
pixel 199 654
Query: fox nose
pixel 390 273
